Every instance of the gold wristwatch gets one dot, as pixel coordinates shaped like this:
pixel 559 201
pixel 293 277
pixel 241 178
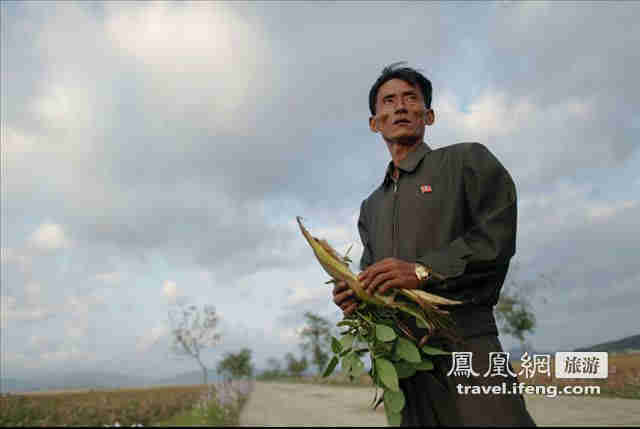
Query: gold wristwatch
pixel 422 273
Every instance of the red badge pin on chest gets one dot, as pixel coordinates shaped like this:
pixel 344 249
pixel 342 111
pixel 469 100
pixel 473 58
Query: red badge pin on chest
pixel 425 188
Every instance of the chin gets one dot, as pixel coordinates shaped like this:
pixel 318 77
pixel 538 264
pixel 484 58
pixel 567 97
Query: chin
pixel 405 139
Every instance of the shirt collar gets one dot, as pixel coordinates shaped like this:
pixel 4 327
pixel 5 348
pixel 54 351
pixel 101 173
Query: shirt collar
pixel 409 164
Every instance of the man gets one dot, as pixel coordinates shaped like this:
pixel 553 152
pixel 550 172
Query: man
pixel 444 221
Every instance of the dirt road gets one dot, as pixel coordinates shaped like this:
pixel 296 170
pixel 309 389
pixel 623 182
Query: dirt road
pixel 282 404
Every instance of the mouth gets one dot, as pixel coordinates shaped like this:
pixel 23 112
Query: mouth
pixel 401 121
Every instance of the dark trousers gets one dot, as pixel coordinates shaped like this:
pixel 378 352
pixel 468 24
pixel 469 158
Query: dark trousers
pixel 432 397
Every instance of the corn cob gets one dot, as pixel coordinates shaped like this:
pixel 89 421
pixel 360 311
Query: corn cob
pixel 423 305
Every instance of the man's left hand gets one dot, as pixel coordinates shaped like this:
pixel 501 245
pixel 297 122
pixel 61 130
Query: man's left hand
pixel 387 274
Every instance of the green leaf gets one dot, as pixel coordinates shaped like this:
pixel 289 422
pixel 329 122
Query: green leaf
pixel 345 352
pixel 425 365
pixel 387 374
pixel 347 341
pixel 393 401
pixel 434 351
pixel 385 333
pixel 357 367
pixel 406 350
pixel 347 362
pixel 404 369
pixel 420 324
pixel 332 365
pixel 393 419
pixel 335 345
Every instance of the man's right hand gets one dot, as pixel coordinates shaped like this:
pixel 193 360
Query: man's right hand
pixel 344 297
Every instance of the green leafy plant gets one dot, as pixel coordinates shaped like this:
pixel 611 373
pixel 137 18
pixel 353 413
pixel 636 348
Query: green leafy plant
pixel 373 332
pixel 380 328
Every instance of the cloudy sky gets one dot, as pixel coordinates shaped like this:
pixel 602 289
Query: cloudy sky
pixel 155 153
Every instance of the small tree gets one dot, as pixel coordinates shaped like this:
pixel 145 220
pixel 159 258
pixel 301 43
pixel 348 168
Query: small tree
pixel 274 369
pixel 294 366
pixel 514 315
pixel 192 331
pixel 236 365
pixel 317 339
pixel 274 365
pixel 514 310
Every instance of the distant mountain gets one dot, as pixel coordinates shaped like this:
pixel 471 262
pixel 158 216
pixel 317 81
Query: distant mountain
pixel 17 385
pixel 188 378
pixel 71 381
pixel 623 345
pixel 97 380
pixel 516 354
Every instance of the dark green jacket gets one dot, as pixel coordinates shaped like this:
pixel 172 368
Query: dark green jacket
pixel 454 210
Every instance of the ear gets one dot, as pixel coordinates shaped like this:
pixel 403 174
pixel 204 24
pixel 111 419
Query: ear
pixel 429 117
pixel 372 124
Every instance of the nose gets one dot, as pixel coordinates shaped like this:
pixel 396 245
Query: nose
pixel 401 106
pixel 401 109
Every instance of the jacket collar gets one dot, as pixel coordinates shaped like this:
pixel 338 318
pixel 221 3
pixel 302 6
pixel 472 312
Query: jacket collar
pixel 409 164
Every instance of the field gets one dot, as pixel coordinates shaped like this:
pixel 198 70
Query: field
pixel 170 405
pixel 623 380
pixel 193 405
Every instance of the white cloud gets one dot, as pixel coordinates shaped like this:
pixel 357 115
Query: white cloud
pixel 300 295
pixel 32 314
pixel 11 302
pixel 49 236
pixel 65 108
pixel 81 313
pixel 37 340
pixel 202 57
pixel 84 305
pixel 170 290
pixel 76 329
pixel 72 353
pixel 602 212
pixel 33 292
pixel 336 234
pixel 152 337
pixel 21 259
pixel 290 335
pixel 29 310
pixel 15 144
pixel 112 278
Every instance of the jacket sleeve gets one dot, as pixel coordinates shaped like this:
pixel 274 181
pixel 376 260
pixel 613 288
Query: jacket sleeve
pixel 490 237
pixel 366 258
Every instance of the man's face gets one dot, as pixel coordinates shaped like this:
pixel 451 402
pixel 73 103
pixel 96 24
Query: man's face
pixel 400 113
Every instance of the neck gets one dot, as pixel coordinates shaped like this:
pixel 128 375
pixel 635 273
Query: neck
pixel 399 151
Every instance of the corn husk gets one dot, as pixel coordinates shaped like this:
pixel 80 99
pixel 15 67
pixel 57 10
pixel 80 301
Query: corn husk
pixel 422 305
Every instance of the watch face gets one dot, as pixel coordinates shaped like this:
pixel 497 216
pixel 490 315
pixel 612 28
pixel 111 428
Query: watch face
pixel 421 272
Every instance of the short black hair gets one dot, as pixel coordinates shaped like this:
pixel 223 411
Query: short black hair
pixel 407 74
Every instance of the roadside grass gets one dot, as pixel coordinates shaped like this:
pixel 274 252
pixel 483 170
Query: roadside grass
pixel 220 406
pixel 162 406
pixel 96 407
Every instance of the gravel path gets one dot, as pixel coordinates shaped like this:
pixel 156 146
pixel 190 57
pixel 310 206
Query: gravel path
pixel 284 404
